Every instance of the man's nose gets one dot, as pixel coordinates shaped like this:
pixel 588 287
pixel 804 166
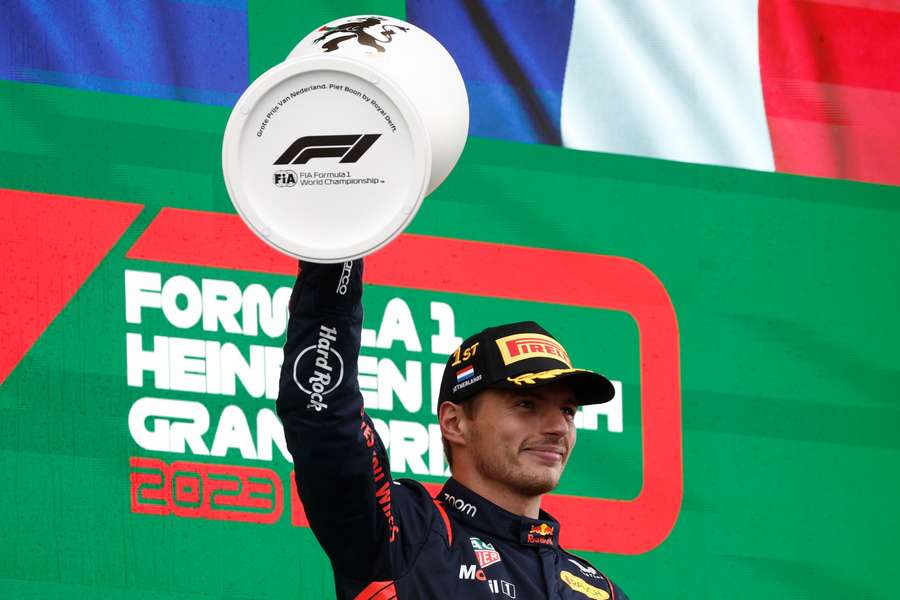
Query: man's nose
pixel 554 422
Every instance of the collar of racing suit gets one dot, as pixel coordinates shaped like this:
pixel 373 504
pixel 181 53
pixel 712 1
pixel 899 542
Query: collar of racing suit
pixel 481 514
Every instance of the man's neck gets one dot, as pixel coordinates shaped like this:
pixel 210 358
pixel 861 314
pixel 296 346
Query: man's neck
pixel 501 495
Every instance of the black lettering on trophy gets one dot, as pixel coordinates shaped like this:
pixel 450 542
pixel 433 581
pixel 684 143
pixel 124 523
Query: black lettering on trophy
pixel 349 148
pixel 285 178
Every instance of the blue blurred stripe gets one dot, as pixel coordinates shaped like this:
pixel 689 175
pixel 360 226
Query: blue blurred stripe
pixel 512 55
pixel 176 49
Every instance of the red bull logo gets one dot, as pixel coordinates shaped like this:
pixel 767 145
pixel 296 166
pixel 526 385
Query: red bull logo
pixel 541 534
pixel 521 346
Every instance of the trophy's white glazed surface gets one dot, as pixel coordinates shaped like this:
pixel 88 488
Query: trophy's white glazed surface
pixel 328 155
pixel 417 63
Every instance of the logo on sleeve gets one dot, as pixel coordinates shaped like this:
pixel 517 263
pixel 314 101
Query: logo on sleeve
pixel 486 554
pixel 586 571
pixel 344 281
pixel 325 365
pixel 580 585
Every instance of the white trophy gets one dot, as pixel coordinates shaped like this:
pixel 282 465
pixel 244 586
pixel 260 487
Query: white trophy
pixel 328 155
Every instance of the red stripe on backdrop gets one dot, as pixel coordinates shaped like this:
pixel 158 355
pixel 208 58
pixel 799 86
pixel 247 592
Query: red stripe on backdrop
pixel 193 237
pixel 828 43
pixel 50 245
pixel 889 5
pixel 503 271
pixel 223 241
pixel 836 131
pixel 832 88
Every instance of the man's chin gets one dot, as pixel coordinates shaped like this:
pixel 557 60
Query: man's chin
pixel 537 483
pixel 526 477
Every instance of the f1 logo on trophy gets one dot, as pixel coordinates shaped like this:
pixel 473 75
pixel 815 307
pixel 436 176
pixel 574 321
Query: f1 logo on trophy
pixel 328 155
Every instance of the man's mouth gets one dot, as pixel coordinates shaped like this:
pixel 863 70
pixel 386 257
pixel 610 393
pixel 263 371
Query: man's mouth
pixel 546 453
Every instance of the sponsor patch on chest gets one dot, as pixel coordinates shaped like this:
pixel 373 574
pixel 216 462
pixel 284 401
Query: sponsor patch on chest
pixel 580 585
pixel 485 553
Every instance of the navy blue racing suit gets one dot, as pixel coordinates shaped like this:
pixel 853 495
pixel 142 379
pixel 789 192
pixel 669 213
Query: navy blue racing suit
pixel 389 538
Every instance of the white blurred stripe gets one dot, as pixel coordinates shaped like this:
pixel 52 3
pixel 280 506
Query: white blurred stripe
pixel 672 79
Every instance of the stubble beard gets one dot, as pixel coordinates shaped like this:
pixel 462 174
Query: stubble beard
pixel 511 472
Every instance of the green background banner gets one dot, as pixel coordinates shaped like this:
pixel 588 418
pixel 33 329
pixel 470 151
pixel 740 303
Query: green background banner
pixel 785 289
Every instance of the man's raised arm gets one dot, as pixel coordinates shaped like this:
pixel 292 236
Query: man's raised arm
pixel 369 527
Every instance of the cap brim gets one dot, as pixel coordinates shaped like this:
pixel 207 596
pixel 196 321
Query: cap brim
pixel 589 387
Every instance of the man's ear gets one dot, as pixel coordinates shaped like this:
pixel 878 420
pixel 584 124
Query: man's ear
pixel 450 417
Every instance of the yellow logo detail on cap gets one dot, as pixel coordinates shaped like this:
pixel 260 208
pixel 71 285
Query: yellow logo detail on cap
pixel 521 346
pixel 580 585
pixel 532 378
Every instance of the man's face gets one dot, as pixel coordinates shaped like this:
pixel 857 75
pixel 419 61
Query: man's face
pixel 522 439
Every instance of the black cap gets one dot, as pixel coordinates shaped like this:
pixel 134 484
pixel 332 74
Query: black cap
pixel 514 357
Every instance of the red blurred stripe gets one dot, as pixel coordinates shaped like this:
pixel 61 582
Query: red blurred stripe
pixel 378 590
pixel 832 87
pixel 50 245
pixel 446 519
pixel 888 5
pixel 830 43
pixel 223 241
pixel 193 237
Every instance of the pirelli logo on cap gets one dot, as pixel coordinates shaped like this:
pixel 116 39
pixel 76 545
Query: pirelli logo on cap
pixel 521 346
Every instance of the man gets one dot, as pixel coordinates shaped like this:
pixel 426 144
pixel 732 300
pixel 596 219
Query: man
pixel 507 403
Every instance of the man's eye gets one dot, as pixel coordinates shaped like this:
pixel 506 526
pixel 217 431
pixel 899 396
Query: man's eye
pixel 569 411
pixel 525 403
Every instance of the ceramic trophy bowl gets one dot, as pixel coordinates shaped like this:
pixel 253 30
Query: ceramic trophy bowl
pixel 328 155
